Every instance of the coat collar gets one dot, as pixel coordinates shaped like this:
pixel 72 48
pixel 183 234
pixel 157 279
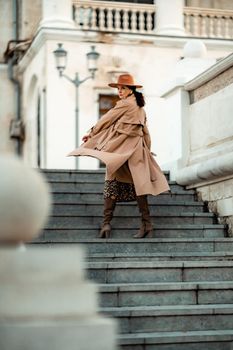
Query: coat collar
pixel 130 98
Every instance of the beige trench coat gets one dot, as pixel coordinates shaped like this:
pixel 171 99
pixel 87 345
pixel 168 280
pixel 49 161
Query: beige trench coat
pixel 121 140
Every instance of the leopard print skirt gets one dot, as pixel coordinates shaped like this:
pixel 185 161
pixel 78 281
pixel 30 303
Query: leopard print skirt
pixel 121 191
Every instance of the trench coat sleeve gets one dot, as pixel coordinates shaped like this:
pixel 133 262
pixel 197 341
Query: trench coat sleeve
pixel 109 118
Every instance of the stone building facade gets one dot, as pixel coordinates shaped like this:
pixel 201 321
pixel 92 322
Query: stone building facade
pixel 164 45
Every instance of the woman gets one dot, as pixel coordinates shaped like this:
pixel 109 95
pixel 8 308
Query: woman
pixel 121 140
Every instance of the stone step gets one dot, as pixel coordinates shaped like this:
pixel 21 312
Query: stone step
pixel 155 294
pixel 194 256
pixel 90 197
pixel 78 175
pixel 160 271
pixel 96 209
pixel 157 202
pixel 147 245
pixel 96 187
pixel 92 187
pixel 188 340
pixel 74 175
pixel 74 221
pixel 171 318
pixel 159 231
pixel 172 292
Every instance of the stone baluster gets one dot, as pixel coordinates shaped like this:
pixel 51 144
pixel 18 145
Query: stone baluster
pixel 187 21
pixel 125 20
pixel 149 21
pixel 219 26
pixel 93 18
pixel 211 26
pixel 76 11
pixel 226 32
pixel 79 18
pixel 110 19
pixel 227 28
pixel 118 20
pixel 231 27
pixel 101 19
pixel 86 17
pixel 134 21
pixel 196 24
pixel 141 22
pixel 203 20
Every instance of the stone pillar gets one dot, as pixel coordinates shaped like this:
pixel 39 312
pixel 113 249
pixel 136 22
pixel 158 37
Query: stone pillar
pixel 46 301
pixel 169 17
pixel 57 14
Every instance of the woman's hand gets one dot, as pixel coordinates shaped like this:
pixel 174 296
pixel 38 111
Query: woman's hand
pixel 85 138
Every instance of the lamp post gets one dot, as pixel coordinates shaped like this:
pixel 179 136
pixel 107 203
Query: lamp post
pixel 61 60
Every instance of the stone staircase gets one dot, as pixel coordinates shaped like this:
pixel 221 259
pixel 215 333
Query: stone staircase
pixel 172 292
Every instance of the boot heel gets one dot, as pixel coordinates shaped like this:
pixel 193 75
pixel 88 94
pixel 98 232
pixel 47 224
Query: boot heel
pixel 105 231
pixel 144 233
pixel 149 234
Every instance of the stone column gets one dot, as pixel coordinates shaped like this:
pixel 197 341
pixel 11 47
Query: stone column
pixel 57 14
pixel 169 17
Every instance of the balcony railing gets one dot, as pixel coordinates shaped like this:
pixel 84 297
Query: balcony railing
pixel 110 16
pixel 208 23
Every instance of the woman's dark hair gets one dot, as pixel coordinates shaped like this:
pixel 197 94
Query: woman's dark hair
pixel 138 95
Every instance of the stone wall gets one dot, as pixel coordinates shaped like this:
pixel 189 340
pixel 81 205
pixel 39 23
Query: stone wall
pixel 8 111
pixel 209 165
pixel 219 196
pixel 28 15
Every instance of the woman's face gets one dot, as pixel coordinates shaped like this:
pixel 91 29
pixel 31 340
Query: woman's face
pixel 123 91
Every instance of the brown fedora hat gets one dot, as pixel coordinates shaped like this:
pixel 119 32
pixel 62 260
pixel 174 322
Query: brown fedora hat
pixel 125 79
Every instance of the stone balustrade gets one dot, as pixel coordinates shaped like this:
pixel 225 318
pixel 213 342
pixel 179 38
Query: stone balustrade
pixel 110 16
pixel 208 23
pixel 114 17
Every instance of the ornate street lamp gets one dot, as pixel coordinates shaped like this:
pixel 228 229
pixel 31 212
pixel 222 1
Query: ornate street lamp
pixel 61 58
pixel 60 55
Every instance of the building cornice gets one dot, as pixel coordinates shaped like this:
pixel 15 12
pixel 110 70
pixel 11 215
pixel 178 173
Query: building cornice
pixel 210 73
pixel 45 34
pixel 72 34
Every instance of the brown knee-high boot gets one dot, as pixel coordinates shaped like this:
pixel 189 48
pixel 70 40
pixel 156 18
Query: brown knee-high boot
pixel 109 206
pixel 146 227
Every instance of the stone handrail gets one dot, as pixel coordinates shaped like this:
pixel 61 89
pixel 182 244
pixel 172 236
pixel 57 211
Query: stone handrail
pixel 110 16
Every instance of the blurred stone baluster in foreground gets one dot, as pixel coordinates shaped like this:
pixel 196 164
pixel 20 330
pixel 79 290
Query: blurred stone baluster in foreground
pixel 45 301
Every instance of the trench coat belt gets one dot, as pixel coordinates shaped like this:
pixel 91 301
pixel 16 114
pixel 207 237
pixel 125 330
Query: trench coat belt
pixel 130 133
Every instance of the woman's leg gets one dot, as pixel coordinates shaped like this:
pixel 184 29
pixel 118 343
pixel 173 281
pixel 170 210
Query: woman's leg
pixel 146 227
pixel 109 206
